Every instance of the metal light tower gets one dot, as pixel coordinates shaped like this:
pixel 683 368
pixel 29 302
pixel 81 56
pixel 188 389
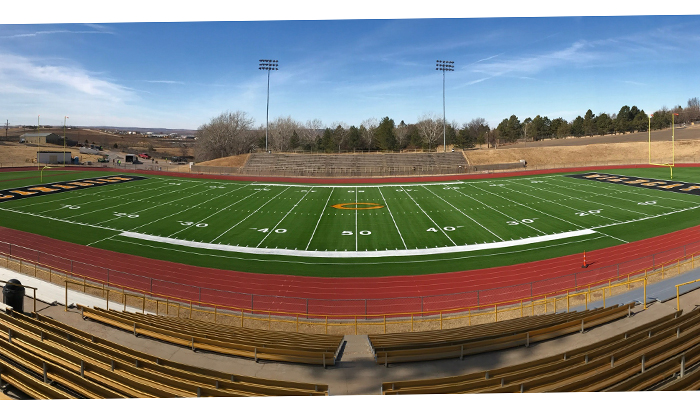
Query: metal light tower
pixel 442 65
pixel 268 65
pixel 64 139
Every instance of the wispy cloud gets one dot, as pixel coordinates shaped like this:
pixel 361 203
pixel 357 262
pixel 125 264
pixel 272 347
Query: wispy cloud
pixel 485 59
pixel 54 32
pixel 167 82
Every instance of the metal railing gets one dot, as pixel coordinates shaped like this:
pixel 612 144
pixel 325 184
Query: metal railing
pixel 563 297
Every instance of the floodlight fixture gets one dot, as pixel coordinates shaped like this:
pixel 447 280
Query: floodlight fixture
pixel 444 65
pixel 268 65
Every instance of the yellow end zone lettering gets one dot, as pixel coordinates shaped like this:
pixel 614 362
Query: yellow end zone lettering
pixel 7 196
pixel 22 192
pixel 44 189
pixel 64 186
pixel 653 183
pixel 80 183
pixel 672 186
pixel 690 188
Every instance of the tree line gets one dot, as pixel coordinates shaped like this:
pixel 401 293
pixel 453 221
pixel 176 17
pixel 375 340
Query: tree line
pixel 233 133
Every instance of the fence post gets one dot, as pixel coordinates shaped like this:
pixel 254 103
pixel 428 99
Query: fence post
pixel 326 324
pixel 384 323
pixel 521 308
pixel 215 307
pixel 644 300
pixel 66 302
pixel 190 317
pixel 440 320
pixel 495 311
pixel 678 298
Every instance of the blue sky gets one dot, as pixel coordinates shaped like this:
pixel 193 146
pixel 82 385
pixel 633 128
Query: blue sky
pixel 180 74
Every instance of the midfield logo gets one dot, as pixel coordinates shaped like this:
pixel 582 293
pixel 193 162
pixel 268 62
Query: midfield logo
pixel 669 186
pixel 58 187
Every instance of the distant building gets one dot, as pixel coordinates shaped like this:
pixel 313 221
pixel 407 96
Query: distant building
pixel 42 138
pixel 53 157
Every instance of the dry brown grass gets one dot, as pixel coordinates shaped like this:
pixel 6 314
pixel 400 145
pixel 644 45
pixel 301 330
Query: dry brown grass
pixel 19 154
pixel 591 154
pixel 232 161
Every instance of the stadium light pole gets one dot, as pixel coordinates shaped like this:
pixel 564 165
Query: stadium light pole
pixel 64 139
pixel 268 65
pixel 650 115
pixel 442 65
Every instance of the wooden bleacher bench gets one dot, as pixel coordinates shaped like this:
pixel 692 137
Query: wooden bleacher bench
pixel 188 339
pixel 612 364
pixel 129 372
pixel 463 343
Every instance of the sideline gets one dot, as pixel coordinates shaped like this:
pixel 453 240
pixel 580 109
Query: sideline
pixel 359 254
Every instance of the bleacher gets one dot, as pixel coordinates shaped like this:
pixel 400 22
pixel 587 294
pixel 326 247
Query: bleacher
pixel 44 358
pixel 660 355
pixel 463 341
pixel 355 164
pixel 304 348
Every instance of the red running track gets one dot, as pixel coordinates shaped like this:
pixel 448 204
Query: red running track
pixel 352 296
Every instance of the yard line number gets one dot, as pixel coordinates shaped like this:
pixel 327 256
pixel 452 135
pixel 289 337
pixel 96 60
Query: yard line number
pixel 522 221
pixel 589 212
pixel 190 223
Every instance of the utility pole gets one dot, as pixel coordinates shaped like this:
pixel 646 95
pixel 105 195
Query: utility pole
pixel 7 126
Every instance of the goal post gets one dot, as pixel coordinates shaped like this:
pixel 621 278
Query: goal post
pixel 672 163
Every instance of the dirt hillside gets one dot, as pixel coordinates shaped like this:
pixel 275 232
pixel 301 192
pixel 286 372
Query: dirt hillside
pixel 232 161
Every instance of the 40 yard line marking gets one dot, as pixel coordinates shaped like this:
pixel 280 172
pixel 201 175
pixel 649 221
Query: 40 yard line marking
pixel 426 214
pixel 499 238
pixel 319 219
pixel 285 216
pixel 251 214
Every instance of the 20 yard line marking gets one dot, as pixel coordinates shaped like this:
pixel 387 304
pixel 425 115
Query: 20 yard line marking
pixel 392 218
pixel 319 219
pixel 167 216
pixel 426 214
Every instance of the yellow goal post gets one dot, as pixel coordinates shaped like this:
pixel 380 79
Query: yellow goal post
pixel 673 144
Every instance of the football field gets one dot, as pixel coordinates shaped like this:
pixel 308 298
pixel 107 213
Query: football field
pixel 350 230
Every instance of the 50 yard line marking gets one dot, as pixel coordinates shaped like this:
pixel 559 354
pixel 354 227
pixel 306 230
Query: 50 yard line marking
pixel 319 219
pixel 392 218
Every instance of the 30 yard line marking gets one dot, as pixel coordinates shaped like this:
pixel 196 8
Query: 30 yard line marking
pixel 499 238
pixel 386 203
pixel 167 216
pixel 319 219
pixel 426 214
pixel 251 214
pixel 223 209
pixel 285 216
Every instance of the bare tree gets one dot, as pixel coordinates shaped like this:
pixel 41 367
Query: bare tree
pixel 225 135
pixel 430 129
pixel 370 127
pixel 693 109
pixel 281 130
pixel 313 128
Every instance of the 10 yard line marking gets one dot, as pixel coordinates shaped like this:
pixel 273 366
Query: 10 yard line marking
pixel 319 219
pixel 587 201
pixel 426 214
pixel 251 214
pixel 633 192
pixel 386 203
pixel 607 195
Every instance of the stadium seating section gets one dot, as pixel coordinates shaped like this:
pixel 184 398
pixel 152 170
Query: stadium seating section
pixel 458 342
pixel 256 344
pixel 660 355
pixel 44 358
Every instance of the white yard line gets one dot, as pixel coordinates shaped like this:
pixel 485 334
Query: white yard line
pixel 239 222
pixel 356 231
pixel 426 214
pixel 70 198
pixel 581 199
pixel 167 216
pixel 356 254
pixel 606 195
pixel 285 216
pixel 319 219
pixel 349 186
pixel 386 203
pixel 615 188
pixel 526 206
pixel 464 194
pixel 560 204
pixel 223 209
pixel 58 219
pixel 120 204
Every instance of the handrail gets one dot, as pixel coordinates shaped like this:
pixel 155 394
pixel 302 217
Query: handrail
pixel 541 299
pixel 678 297
pixel 26 287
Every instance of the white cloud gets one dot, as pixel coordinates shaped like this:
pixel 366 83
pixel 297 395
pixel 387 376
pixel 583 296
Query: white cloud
pixel 62 31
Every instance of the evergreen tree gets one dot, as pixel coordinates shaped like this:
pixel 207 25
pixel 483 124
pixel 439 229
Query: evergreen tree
pixel 386 139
